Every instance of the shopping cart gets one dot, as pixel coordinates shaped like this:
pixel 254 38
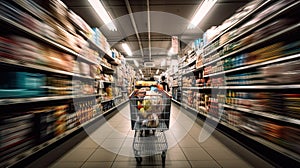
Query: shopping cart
pixel 149 124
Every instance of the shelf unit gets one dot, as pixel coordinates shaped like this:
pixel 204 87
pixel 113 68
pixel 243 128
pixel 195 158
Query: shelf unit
pixel 261 23
pixel 215 90
pixel 257 9
pixel 292 28
pixel 265 114
pixel 260 140
pixel 20 156
pixel 43 99
pixel 25 65
pixel 250 87
pixel 278 60
pixel 44 39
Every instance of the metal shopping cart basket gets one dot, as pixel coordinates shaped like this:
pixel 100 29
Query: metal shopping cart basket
pixel 150 117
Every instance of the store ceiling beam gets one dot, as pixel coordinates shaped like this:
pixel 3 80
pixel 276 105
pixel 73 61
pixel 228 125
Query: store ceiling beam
pixel 134 27
pixel 149 29
pixel 138 57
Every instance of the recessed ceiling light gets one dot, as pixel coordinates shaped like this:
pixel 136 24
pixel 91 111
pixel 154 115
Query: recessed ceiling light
pixel 103 14
pixel 201 12
pixel 127 49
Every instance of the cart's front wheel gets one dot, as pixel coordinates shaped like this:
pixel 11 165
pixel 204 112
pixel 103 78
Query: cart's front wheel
pixel 138 160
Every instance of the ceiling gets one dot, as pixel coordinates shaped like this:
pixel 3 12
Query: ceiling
pixel 167 18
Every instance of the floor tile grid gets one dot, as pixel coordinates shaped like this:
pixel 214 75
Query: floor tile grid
pixel 219 162
pixel 191 163
pixel 175 116
pixel 88 163
pixel 134 160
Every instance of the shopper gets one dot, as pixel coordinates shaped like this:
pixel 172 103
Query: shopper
pixel 165 84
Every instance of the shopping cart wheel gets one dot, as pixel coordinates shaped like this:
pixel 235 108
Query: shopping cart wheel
pixel 138 160
pixel 163 158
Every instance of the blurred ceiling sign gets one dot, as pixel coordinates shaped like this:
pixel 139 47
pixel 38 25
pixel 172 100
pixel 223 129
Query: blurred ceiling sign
pixel 149 64
pixel 174 48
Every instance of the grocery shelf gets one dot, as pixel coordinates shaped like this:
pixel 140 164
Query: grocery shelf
pixel 106 67
pixel 265 114
pixel 188 72
pixel 106 81
pixel 267 2
pixel 257 139
pixel 95 46
pixel 296 86
pixel 117 97
pixel 173 73
pixel 19 158
pixel 278 60
pixel 105 101
pixel 203 113
pixel 198 88
pixel 286 9
pixel 27 5
pixel 24 5
pixel 8 62
pixel 263 142
pixel 188 64
pixel 12 101
pixel 115 107
pixel 176 101
pixel 44 39
pixel 291 28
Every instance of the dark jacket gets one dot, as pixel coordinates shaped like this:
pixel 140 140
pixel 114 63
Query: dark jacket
pixel 165 86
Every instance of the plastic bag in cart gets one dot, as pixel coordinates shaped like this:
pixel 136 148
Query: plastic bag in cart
pixel 150 108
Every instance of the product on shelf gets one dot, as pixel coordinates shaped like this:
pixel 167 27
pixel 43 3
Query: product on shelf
pixel 81 23
pixel 233 117
pixel 211 33
pixel 16 131
pixel 284 73
pixel 251 125
pixel 292 105
pixel 44 56
pixel 85 110
pixel 22 84
pixel 59 11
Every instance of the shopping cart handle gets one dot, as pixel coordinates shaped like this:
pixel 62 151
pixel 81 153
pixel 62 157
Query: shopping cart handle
pixel 169 95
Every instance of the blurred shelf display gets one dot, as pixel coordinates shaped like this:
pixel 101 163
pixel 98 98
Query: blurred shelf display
pixel 246 76
pixel 61 76
pixel 44 39
pixel 20 64
pixel 265 114
pixel 36 148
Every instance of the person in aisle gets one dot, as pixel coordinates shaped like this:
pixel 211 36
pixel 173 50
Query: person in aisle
pixel 165 84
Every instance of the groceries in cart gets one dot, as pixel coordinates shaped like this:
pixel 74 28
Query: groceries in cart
pixel 149 105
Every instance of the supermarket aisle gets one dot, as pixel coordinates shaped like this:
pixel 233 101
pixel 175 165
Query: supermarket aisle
pixel 111 146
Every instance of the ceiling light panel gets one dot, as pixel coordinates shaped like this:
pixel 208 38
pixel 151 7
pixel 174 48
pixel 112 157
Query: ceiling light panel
pixel 103 14
pixel 201 12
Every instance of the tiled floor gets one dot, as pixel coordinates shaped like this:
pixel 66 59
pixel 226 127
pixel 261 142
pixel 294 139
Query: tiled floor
pixel 111 146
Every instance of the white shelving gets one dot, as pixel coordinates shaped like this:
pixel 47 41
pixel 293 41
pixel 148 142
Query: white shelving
pixel 265 114
pixel 20 29
pixel 263 5
pixel 261 23
pixel 45 39
pixel 15 63
pixel 240 77
pixel 46 144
